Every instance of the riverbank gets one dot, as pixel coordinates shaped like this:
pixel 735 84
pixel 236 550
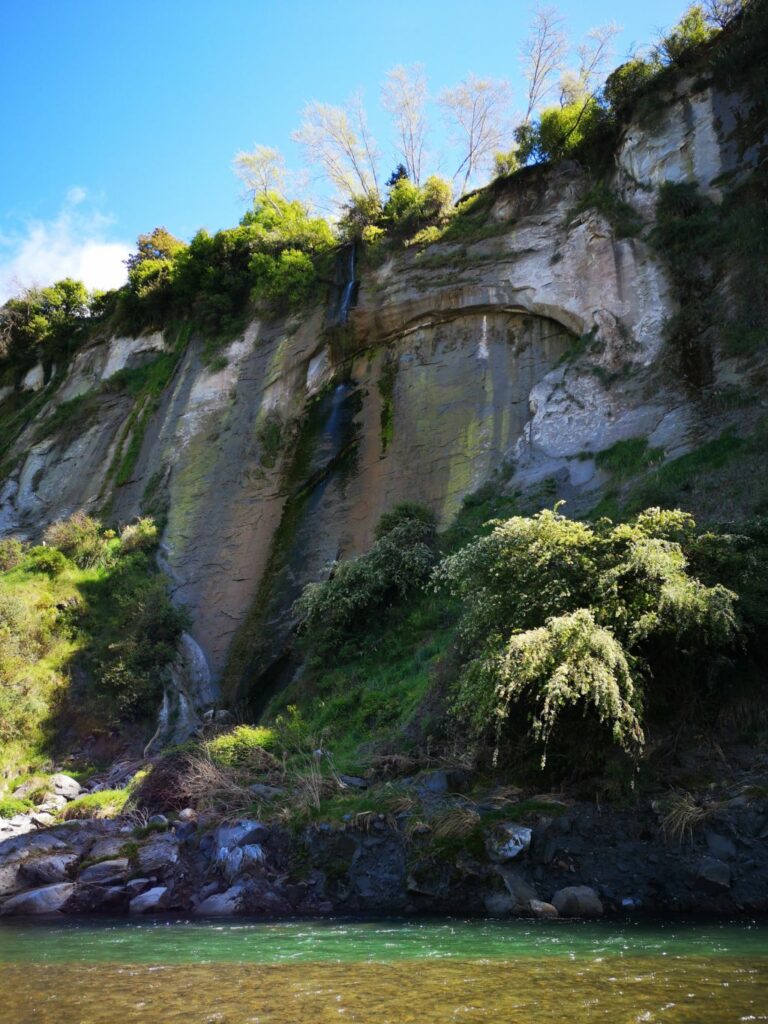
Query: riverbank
pixel 489 855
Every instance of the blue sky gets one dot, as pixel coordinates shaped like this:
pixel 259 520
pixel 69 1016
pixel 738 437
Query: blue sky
pixel 118 116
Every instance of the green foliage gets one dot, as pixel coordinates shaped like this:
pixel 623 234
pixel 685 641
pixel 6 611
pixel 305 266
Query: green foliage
pixel 625 83
pixel 104 610
pixel 705 247
pixel 242 746
pixel 331 612
pixel 283 282
pixel 42 324
pixel 628 458
pixel 570 661
pixel 136 637
pixel 81 539
pixel 47 560
pixel 558 614
pixel 561 132
pixel 411 208
pixel 10 806
pixel 11 553
pixel 158 245
pixel 623 218
pixel 105 803
pixel 691 32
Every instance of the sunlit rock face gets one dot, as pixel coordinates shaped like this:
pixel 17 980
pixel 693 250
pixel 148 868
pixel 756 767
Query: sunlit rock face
pixel 517 356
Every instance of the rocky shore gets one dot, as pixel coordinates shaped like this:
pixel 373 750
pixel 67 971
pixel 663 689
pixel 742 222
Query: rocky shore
pixel 583 861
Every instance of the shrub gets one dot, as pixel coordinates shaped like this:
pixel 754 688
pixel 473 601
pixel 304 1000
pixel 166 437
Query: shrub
pixel 558 613
pixel 570 661
pixel 330 613
pixel 625 83
pixel 80 538
pixel 691 32
pixel 48 560
pixel 138 536
pixel 11 553
pixel 131 665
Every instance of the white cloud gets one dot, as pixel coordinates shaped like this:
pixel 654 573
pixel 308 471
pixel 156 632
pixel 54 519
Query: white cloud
pixel 75 243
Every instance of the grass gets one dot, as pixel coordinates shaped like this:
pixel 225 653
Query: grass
pixel 623 218
pixel 628 458
pixel 374 692
pixel 241 747
pixel 106 803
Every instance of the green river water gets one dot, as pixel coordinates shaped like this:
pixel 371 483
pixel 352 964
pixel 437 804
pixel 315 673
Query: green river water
pixel 164 971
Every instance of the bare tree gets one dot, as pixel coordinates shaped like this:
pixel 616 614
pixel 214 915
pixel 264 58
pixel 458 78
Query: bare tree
pixel 404 94
pixel 722 12
pixel 337 141
pixel 543 54
pixel 477 111
pixel 595 54
pixel 261 171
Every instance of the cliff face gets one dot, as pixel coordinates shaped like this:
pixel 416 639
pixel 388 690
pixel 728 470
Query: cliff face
pixel 516 354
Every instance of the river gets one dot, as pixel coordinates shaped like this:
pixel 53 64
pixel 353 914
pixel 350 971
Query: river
pixel 78 971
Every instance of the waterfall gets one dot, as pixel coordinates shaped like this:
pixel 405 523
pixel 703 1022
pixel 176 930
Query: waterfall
pixel 482 348
pixel 348 292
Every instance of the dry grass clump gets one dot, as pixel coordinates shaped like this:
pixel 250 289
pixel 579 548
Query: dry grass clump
pixel 455 823
pixel 682 815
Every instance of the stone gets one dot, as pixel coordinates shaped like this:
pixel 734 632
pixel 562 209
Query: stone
pixel 507 840
pixel 720 847
pixel 221 904
pixel 158 821
pixel 47 870
pixel 188 814
pixel 577 901
pixel 538 908
pixel 353 781
pixel 64 785
pixel 239 833
pixel 160 855
pixel 713 876
pixel 261 791
pixel 105 872
pixel 433 783
pixel 47 900
pixel 499 904
pixel 519 890
pixel 107 848
pixel 150 901
pixel 52 802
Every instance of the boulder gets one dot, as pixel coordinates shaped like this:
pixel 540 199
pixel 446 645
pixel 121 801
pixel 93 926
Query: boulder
pixel 52 802
pixel 507 840
pixel 239 833
pixel 46 870
pixel 106 872
pixel 47 900
pixel 577 901
pixel 221 904
pixel 540 909
pixel 188 814
pixel 720 847
pixel 158 821
pixel 241 860
pixel 713 876
pixel 107 848
pixel 64 785
pixel 499 904
pixel 519 890
pixel 10 876
pixel 433 783
pixel 150 901
pixel 160 855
